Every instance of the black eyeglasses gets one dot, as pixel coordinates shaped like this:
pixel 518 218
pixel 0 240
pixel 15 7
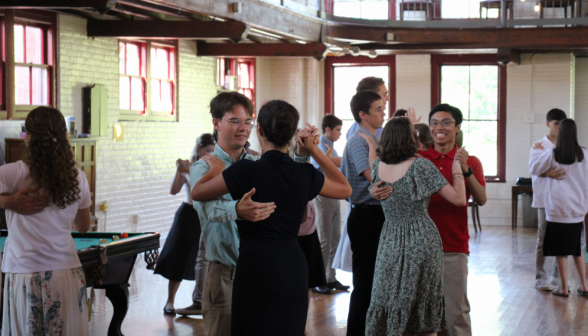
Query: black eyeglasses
pixel 444 123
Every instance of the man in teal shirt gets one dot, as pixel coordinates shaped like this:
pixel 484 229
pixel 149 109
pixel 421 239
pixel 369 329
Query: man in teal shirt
pixel 232 119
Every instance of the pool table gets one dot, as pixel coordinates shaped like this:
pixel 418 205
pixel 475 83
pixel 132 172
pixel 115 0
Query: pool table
pixel 109 265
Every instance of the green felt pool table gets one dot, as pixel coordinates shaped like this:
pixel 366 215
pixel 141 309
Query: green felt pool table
pixel 109 265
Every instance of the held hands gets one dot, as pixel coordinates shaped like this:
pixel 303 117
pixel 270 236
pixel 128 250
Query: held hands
pixel 183 166
pixel 462 156
pixel 380 193
pixel 411 114
pixel 253 211
pixel 214 163
pixel 27 202
pixel 307 139
pixel 368 139
pixel 538 145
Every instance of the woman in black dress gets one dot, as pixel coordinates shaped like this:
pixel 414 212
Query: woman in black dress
pixel 271 279
pixel 178 257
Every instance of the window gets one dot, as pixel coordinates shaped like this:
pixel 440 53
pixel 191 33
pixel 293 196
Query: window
pixel 141 63
pixel 31 64
pixel 477 86
pixel 341 77
pixel 234 74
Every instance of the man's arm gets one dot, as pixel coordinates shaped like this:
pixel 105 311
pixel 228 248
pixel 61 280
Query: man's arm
pixel 21 203
pixel 224 210
pixel 476 188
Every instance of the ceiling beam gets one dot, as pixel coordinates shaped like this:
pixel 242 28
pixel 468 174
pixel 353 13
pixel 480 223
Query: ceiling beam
pixel 167 11
pixel 315 49
pixel 233 30
pixel 40 4
pixel 276 19
pixel 575 37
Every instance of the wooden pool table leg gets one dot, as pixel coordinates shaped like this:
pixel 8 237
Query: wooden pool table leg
pixel 119 297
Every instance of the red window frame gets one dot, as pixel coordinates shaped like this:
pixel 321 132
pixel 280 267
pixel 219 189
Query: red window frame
pixel 230 67
pixel 171 60
pixel 46 63
pixel 249 88
pixel 332 61
pixel 477 59
pixel 142 74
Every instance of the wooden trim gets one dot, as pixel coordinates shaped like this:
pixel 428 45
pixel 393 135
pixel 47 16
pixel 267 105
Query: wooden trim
pixel 482 59
pixel 332 61
pixel 314 49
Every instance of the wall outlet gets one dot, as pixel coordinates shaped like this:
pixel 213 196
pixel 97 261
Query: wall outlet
pixel 529 118
pixel 136 219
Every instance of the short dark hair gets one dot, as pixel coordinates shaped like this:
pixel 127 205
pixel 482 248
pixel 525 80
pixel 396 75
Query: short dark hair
pixel 361 102
pixel 398 141
pixel 227 101
pixel 331 121
pixel 455 112
pixel 556 114
pixel 370 84
pixel 400 113
pixel 567 150
pixel 278 120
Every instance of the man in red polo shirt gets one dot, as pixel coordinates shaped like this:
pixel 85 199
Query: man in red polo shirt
pixel 452 221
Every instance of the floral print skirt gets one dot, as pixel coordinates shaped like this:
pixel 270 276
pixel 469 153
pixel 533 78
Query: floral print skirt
pixel 45 303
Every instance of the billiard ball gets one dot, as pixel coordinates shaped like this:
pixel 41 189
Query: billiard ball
pixel 115 237
pixel 103 240
pixel 124 235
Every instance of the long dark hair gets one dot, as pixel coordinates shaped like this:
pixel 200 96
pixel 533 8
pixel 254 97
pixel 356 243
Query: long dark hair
pixel 398 141
pixel 567 150
pixel 52 167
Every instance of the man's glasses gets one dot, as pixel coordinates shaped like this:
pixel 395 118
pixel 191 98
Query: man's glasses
pixel 444 123
pixel 249 123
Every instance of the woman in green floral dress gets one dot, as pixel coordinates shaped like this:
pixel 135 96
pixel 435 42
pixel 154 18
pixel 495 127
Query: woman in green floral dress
pixel 407 296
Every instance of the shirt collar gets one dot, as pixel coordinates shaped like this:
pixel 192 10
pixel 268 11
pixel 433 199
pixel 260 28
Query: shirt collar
pixel 221 154
pixel 365 131
pixel 436 155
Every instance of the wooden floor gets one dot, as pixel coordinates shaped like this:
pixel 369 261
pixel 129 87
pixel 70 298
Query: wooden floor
pixel 500 289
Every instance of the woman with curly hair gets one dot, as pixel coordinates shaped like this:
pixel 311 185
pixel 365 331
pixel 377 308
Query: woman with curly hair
pixel 45 290
pixel 177 261
pixel 407 295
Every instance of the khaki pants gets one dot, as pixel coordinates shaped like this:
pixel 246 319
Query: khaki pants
pixel 201 268
pixel 455 290
pixel 328 225
pixel 217 299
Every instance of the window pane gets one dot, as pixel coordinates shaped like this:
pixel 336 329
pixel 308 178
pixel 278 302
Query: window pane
pixel 19 47
pixel 244 75
pixel 455 87
pixel 159 63
pixel 121 58
pixel 484 92
pixel 155 95
pixel 34 47
pixel 23 87
pixel 125 92
pixel 40 90
pixel 370 9
pixel 166 96
pixel 137 95
pixel 133 61
pixel 480 139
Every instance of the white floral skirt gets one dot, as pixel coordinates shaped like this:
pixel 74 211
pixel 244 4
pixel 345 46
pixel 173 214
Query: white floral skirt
pixel 45 303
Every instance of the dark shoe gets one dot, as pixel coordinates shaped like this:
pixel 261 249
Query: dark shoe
pixel 169 311
pixel 557 292
pixel 194 309
pixel 321 290
pixel 581 292
pixel 337 286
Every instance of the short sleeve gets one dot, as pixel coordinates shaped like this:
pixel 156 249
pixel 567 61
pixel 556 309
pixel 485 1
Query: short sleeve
pixel 85 197
pixel 9 176
pixel 360 155
pixel 476 165
pixel 427 178
pixel 239 178
pixel 317 181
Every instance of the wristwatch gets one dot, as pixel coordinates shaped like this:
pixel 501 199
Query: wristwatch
pixel 469 173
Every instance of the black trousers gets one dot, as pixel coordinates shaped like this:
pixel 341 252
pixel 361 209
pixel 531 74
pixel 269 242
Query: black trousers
pixel 364 226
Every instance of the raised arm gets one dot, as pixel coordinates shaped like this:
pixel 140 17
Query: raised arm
pixel 477 190
pixel 372 148
pixel 455 194
pixel 335 186
pixel 179 179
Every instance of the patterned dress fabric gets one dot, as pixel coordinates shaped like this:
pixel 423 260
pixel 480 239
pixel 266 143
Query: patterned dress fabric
pixel 52 303
pixel 407 294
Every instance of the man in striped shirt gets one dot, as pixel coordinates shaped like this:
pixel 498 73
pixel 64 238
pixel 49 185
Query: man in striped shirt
pixel 366 218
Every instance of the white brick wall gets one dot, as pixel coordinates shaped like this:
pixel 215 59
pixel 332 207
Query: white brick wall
pixel 134 176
